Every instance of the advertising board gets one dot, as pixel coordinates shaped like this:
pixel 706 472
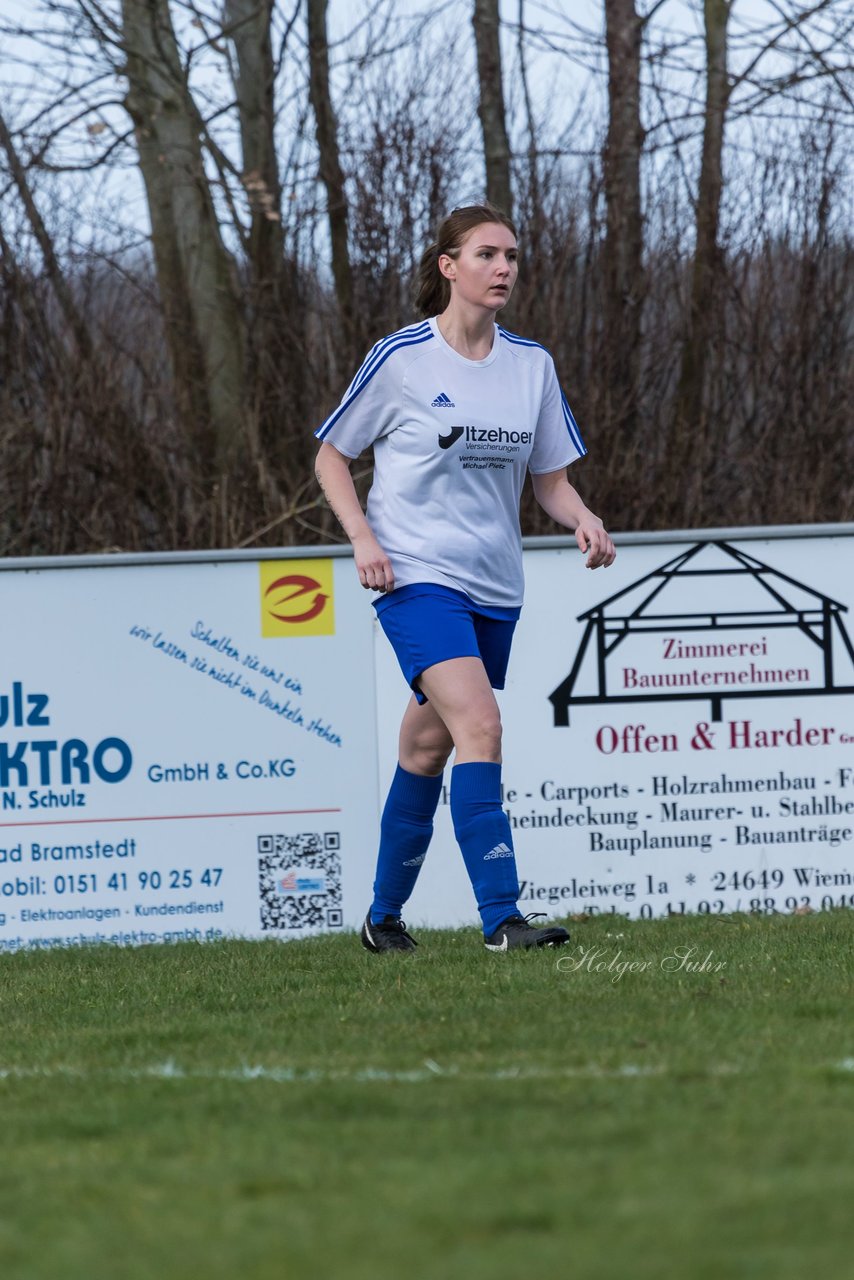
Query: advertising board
pixel 184 752
pixel 194 746
pixel 678 731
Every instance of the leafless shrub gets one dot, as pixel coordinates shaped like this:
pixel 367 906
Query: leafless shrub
pixel 99 451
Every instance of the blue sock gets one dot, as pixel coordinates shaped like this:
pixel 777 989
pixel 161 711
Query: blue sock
pixel 483 833
pixel 405 831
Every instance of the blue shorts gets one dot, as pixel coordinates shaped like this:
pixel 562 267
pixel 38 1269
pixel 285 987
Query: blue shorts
pixel 428 623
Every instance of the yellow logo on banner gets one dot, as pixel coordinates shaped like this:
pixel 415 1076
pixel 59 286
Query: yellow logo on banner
pixel 296 598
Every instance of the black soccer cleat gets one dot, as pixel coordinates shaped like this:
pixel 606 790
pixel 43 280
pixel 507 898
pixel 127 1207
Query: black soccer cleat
pixel 516 933
pixel 391 935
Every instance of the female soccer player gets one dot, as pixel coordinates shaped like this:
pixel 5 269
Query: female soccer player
pixel 457 409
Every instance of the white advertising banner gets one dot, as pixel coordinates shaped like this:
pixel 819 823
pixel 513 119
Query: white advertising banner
pixel 678 732
pixel 198 746
pixel 187 750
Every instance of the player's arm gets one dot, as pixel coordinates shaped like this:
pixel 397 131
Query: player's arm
pixel 332 469
pixel 560 500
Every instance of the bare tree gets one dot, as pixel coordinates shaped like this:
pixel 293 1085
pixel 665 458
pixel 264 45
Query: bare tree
pixel 235 293
pixel 248 26
pixel 532 168
pixel 53 270
pixel 623 250
pixel 331 174
pixel 272 289
pixel 705 295
pixel 491 110
pixel 196 274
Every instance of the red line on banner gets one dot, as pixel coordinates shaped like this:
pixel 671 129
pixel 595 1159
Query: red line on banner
pixel 168 817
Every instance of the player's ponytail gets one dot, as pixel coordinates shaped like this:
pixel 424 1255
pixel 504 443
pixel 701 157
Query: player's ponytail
pixel 432 289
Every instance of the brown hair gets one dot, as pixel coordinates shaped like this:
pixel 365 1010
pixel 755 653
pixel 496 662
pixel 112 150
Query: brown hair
pixel 432 289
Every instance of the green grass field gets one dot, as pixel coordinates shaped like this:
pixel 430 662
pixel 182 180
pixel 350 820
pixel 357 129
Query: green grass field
pixel 254 1110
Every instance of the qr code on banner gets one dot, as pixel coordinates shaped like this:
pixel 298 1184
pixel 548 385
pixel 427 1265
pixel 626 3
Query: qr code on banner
pixel 299 880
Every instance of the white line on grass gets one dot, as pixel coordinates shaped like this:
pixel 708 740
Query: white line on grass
pixel 430 1070
pixel 170 1070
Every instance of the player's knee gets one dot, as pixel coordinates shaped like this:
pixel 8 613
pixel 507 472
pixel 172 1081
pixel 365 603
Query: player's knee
pixel 434 763
pixel 427 752
pixel 430 758
pixel 484 733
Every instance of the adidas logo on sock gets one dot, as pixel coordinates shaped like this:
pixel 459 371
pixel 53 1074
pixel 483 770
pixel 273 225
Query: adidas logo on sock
pixel 500 851
pixel 442 401
pixel 415 862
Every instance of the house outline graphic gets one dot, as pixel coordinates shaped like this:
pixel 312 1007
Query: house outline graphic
pixel 607 627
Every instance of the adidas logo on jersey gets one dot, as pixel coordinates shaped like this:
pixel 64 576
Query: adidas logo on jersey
pixel 442 401
pixel 500 851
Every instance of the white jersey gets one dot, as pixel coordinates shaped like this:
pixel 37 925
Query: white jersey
pixel 452 441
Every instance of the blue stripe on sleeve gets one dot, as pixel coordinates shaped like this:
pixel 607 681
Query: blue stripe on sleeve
pixel 371 366
pixel 382 346
pixel 520 342
pixel 572 426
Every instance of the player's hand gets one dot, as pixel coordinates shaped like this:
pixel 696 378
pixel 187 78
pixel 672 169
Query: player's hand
pixel 372 564
pixel 595 541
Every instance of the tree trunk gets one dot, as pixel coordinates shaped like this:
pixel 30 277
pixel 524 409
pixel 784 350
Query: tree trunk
pixel 53 271
pixel 248 24
pixel 623 251
pixel 331 174
pixel 276 360
pixel 196 277
pixel 705 292
pixel 493 121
